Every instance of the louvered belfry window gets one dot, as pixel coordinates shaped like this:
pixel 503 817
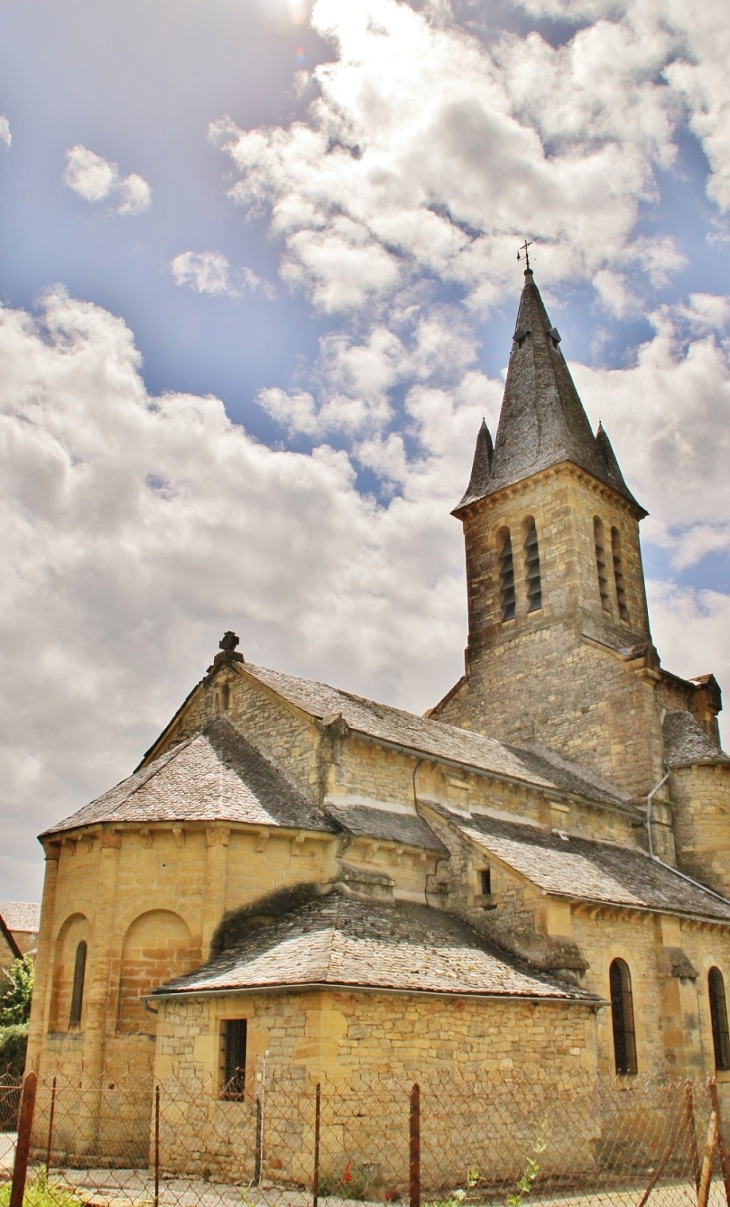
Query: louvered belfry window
pixel 618 574
pixel 532 567
pixel 599 539
pixel 506 575
pixel 622 1017
pixel 718 1015
pixel 77 992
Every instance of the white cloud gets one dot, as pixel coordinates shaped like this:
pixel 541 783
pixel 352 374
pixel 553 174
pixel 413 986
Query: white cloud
pixel 211 272
pixel 96 179
pixel 134 528
pixel 135 195
pixel 5 136
pixel 427 152
pixel 694 66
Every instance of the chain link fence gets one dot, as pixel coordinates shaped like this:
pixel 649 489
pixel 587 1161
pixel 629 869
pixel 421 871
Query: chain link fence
pixel 284 1140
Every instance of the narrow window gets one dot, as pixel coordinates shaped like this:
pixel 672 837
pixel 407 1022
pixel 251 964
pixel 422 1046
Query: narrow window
pixel 77 993
pixel 532 567
pixel 618 574
pixel 485 879
pixel 622 1015
pixel 506 575
pixel 598 538
pixel 234 1058
pixel 718 1014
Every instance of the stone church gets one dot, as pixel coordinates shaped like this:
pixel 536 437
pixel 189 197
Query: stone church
pixel 533 879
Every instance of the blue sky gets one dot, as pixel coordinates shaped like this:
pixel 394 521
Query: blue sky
pixel 258 268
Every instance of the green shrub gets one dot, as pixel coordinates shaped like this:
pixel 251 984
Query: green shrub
pixel 39 1192
pixel 16 990
pixel 13 1044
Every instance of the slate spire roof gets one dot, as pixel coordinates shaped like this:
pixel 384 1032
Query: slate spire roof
pixel 542 421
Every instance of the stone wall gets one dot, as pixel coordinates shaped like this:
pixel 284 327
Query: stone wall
pixel 700 798
pixel 559 676
pixel 366 1049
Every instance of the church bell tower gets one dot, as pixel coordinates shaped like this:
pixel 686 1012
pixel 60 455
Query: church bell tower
pixel 559 651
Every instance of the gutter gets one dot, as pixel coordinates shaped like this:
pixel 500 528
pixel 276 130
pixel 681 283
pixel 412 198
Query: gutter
pixel 334 987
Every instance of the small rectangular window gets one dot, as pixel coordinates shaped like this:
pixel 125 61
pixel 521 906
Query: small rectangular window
pixel 234 1058
pixel 485 877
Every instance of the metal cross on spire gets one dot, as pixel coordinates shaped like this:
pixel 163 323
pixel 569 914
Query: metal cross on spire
pixel 524 248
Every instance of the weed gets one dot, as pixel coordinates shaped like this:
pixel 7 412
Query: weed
pixel 532 1167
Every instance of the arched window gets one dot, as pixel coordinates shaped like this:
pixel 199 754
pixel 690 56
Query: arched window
pixel 77 993
pixel 532 567
pixel 599 541
pixel 622 1016
pixel 718 1014
pixel 618 574
pixel 506 575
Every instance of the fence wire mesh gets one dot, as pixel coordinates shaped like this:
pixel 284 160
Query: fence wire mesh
pixel 281 1140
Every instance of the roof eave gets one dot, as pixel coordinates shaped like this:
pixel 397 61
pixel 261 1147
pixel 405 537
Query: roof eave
pixel 466 503
pixel 355 987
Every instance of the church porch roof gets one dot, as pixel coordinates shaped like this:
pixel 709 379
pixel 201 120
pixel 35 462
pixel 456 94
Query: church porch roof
pixel 340 941
pixel 587 870
pixel 216 775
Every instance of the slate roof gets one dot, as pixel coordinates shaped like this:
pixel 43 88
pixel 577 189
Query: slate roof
pixel 685 741
pixel 542 421
pixel 408 829
pixel 424 735
pixel 23 917
pixel 215 776
pixel 339 940
pixel 591 871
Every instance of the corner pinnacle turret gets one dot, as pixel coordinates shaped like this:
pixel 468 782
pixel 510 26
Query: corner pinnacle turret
pixel 542 421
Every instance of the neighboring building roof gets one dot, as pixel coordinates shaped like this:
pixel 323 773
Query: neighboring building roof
pixel 429 737
pixel 22 917
pixel 215 776
pixel 542 421
pixel 365 821
pixel 591 871
pixel 685 741
pixel 342 941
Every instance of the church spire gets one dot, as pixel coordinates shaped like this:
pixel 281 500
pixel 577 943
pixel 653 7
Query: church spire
pixel 542 421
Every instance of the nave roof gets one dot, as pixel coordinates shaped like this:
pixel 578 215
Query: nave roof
pixel 424 735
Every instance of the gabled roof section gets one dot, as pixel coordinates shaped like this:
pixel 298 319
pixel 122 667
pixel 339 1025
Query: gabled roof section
pixel 22 917
pixel 217 775
pixel 590 871
pixel 423 735
pixel 342 941
pixel 685 741
pixel 542 421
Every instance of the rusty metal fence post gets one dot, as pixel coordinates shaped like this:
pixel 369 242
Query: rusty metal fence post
pixel 415 1147
pixel 315 1179
pixel 692 1135
pixel 721 1146
pixel 157 1146
pixel 49 1146
pixel 25 1127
